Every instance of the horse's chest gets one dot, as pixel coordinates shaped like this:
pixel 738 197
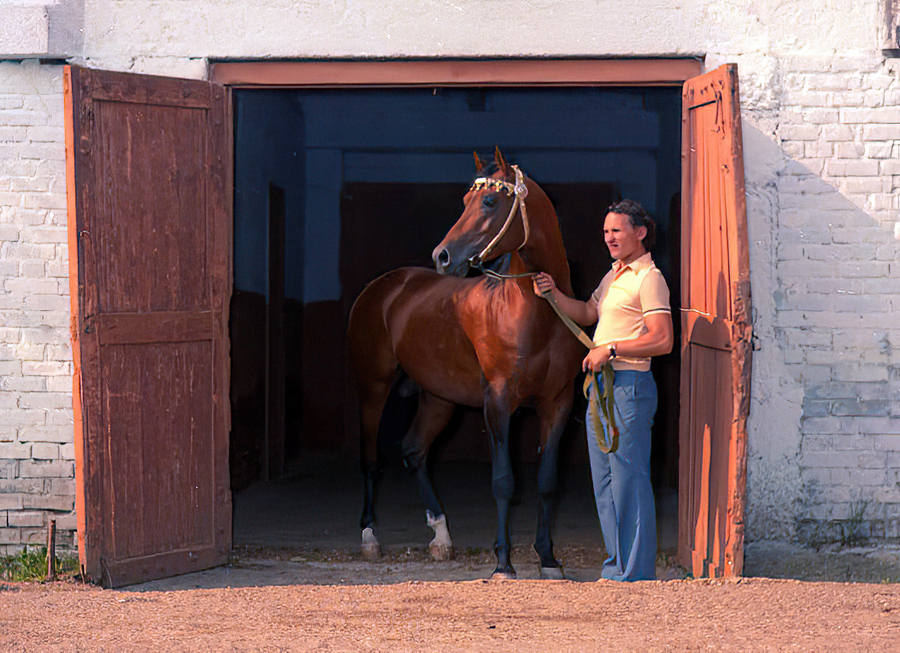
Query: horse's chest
pixel 507 349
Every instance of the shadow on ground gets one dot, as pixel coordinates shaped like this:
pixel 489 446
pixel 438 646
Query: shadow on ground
pixel 304 530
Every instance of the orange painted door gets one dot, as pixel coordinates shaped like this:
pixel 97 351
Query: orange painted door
pixel 716 330
pixel 150 267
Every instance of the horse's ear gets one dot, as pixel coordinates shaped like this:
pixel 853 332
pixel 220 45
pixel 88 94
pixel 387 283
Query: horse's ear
pixel 479 164
pixel 500 161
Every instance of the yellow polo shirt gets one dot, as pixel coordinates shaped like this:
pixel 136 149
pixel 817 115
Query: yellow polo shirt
pixel 625 295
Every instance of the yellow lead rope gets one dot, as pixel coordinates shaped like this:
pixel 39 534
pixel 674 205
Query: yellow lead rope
pixel 607 402
pixel 605 398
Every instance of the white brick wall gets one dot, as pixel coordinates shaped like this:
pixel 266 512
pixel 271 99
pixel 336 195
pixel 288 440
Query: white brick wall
pixel 837 276
pixel 36 434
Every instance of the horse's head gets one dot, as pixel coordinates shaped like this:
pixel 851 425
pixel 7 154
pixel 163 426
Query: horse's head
pixel 492 223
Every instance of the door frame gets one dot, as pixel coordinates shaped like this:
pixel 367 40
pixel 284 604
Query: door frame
pixel 457 72
pixel 641 72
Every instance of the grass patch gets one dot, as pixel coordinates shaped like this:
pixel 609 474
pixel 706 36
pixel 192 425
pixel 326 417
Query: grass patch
pixel 31 566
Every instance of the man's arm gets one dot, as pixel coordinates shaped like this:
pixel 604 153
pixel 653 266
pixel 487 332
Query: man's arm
pixel 657 340
pixel 584 313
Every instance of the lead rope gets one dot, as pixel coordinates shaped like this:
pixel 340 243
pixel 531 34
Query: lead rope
pixel 603 400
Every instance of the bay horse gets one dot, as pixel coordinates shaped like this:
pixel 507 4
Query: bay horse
pixel 486 341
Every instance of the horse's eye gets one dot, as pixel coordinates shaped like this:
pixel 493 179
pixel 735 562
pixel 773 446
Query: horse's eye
pixel 490 201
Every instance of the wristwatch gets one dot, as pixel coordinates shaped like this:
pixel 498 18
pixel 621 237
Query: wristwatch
pixel 612 350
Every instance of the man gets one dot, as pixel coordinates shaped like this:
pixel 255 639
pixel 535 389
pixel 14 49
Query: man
pixel 634 323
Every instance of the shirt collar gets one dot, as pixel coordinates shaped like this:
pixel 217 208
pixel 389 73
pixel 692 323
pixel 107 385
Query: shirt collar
pixel 643 261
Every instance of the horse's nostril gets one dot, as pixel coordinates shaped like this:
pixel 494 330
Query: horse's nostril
pixel 443 258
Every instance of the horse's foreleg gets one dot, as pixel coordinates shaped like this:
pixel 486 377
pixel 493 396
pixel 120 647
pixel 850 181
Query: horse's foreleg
pixel 431 418
pixel 502 481
pixel 553 423
pixel 441 546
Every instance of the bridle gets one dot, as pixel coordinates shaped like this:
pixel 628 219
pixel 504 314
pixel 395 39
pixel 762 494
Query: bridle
pixel 519 191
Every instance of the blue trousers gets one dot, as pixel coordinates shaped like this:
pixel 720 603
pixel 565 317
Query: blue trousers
pixel 621 481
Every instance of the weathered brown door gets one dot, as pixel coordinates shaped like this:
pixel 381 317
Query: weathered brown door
pixel 716 330
pixel 150 259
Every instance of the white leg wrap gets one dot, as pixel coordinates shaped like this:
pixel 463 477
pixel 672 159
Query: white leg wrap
pixel 441 547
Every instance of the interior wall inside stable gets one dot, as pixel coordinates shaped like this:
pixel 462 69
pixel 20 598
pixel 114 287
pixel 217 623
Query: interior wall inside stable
pixel 373 179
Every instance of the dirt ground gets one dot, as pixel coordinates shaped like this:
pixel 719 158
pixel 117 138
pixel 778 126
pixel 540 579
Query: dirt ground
pixel 296 582
pixel 750 614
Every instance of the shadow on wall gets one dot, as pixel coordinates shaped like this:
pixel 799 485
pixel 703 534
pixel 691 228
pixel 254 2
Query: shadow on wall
pixel 821 267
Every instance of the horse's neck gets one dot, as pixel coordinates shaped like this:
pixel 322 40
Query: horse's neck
pixel 544 251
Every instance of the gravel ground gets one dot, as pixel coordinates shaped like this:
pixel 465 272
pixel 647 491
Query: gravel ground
pixel 296 582
pixel 750 614
pixel 295 600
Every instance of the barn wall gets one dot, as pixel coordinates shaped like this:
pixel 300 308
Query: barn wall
pixel 821 137
pixel 826 256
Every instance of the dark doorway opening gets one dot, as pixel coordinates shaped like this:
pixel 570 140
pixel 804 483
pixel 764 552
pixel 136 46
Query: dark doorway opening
pixel 372 179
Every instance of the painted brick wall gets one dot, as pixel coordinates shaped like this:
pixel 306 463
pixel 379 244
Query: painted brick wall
pixel 837 292
pixel 36 435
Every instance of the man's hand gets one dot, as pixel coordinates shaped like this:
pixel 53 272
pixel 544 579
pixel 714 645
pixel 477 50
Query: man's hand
pixel 584 313
pixel 543 282
pixel 596 359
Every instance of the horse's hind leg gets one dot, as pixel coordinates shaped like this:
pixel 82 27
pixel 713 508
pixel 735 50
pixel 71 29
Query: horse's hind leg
pixel 375 369
pixel 378 450
pixel 370 546
pixel 431 419
pixel 370 416
pixel 554 415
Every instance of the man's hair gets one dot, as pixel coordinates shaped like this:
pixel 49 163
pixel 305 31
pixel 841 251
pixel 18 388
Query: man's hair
pixel 638 217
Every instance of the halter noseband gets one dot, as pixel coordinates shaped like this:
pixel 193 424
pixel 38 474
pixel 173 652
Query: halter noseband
pixel 519 192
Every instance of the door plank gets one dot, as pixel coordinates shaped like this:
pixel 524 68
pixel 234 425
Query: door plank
pixel 134 328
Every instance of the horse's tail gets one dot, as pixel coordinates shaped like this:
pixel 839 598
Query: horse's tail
pixel 396 418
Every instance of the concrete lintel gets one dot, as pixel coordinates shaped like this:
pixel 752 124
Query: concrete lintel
pixel 50 31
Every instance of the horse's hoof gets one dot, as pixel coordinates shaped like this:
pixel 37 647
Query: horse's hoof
pixel 441 552
pixel 552 573
pixel 371 547
pixel 503 575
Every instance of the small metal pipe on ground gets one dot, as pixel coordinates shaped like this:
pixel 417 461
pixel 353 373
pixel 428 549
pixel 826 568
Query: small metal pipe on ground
pixel 51 550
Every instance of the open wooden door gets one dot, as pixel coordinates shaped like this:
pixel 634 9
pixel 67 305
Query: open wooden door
pixel 150 266
pixel 716 329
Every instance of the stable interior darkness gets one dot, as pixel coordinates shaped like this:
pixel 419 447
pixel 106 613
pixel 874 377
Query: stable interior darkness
pixel 336 186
